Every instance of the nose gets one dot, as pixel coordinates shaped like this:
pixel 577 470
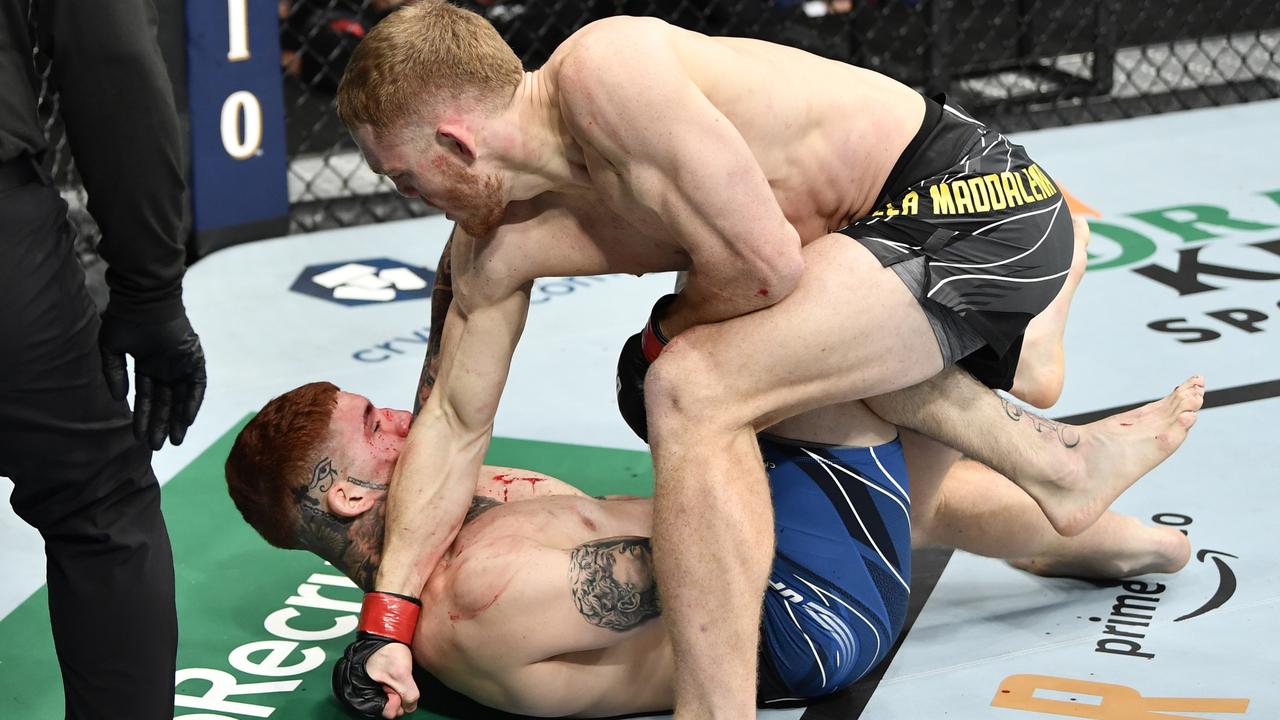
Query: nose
pixel 398 420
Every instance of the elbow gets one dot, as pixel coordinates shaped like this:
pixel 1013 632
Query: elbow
pixel 779 277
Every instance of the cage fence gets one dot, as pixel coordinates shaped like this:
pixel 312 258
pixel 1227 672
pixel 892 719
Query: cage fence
pixel 1016 64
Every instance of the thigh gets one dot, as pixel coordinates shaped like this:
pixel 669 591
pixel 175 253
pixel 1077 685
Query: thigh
pixel 838 592
pixel 64 441
pixel 850 330
pixel 850 424
pixel 928 462
pixel 42 287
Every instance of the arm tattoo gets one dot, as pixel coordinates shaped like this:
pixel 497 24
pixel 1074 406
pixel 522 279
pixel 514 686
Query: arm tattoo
pixel 612 582
pixel 479 506
pixel 441 299
pixel 1067 435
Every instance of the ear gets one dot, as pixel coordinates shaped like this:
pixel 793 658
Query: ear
pixel 458 138
pixel 347 499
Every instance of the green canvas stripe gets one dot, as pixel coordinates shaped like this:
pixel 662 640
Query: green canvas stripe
pixel 230 582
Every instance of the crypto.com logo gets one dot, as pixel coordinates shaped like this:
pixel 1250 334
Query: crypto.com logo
pixel 375 281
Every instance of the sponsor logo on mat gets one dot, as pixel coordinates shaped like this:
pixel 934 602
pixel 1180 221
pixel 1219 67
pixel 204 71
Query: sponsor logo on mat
pixel 1070 697
pixel 374 281
pixel 1134 610
pixel 1125 628
pixel 1216 250
pixel 288 654
pixel 1226 584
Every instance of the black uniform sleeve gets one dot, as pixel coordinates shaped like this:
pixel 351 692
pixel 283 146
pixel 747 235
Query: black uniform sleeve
pixel 118 107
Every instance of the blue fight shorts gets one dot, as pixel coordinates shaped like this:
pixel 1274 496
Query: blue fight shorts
pixel 837 595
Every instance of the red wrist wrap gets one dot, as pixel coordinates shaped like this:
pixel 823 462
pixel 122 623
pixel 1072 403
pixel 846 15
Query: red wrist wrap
pixel 389 615
pixel 651 343
pixel 652 339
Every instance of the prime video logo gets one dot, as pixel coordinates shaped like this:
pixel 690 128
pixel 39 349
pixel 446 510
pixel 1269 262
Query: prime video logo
pixel 374 281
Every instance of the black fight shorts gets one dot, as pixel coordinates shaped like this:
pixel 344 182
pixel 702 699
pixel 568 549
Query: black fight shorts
pixel 979 233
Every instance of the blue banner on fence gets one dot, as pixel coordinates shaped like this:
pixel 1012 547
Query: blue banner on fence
pixel 238 153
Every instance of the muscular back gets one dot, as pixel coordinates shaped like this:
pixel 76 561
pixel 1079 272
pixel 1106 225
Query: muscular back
pixel 826 133
pixel 548 606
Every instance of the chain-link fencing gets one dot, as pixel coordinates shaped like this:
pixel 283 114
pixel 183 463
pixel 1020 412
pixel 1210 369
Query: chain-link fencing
pixel 1017 64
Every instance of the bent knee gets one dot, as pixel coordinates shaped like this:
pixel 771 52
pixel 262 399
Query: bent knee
pixel 686 388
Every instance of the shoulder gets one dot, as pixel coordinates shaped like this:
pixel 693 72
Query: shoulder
pixel 608 50
pixel 597 39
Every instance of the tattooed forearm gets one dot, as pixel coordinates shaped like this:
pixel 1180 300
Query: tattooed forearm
pixel 1066 434
pixel 479 506
pixel 441 299
pixel 613 584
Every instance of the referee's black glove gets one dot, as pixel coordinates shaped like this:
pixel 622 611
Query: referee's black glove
pixel 169 365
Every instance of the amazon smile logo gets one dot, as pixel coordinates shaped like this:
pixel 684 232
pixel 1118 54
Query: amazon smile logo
pixel 1226 576
pixel 1226 584
pixel 1126 628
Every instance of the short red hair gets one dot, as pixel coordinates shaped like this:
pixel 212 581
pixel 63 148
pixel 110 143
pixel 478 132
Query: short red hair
pixel 421 56
pixel 271 459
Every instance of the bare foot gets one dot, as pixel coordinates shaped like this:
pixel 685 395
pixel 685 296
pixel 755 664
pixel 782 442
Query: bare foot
pixel 1130 549
pixel 1105 457
pixel 1042 365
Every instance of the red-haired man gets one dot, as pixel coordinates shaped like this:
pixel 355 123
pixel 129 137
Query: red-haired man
pixel 545 602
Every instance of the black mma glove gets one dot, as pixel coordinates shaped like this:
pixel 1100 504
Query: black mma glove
pixel 169 365
pixel 385 618
pixel 638 353
pixel 355 690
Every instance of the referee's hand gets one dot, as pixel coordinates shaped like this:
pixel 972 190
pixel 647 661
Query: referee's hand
pixel 169 365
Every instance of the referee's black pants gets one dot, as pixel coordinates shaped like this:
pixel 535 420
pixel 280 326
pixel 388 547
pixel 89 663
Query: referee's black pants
pixel 79 476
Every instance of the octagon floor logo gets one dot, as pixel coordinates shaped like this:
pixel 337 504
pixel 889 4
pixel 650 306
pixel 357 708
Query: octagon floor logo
pixel 373 281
